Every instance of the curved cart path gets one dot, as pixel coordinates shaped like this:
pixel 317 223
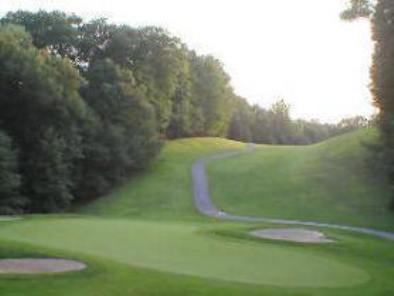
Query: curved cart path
pixel 204 205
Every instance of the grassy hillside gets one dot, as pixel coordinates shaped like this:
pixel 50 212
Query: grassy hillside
pixel 327 182
pixel 165 190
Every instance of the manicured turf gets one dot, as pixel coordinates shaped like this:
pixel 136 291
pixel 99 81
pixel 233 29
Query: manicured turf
pixel 326 182
pixel 182 249
pixel 128 257
pixel 147 239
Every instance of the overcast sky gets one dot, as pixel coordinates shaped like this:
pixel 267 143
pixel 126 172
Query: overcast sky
pixel 297 50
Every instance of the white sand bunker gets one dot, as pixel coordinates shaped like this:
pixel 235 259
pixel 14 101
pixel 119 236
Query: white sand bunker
pixel 33 266
pixel 298 235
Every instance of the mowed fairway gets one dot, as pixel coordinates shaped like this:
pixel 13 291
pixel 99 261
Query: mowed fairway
pixel 147 239
pixel 325 182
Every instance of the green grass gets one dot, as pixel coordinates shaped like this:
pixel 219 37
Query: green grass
pixel 163 192
pixel 326 182
pixel 147 239
pixel 184 249
pixel 127 257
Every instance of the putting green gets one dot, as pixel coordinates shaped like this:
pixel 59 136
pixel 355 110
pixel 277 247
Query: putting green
pixel 183 249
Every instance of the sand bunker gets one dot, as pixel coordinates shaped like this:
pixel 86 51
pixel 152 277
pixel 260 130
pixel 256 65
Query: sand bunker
pixel 9 218
pixel 33 266
pixel 298 235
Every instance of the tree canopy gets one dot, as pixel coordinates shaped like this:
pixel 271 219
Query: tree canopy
pixel 357 9
pixel 84 105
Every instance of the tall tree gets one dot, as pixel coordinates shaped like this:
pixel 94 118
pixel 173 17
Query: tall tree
pixel 55 31
pixel 94 38
pixel 382 86
pixel 281 122
pixel 123 138
pixel 357 9
pixel 240 127
pixel 11 202
pixel 181 120
pixel 383 79
pixel 212 94
pixel 155 59
pixel 39 108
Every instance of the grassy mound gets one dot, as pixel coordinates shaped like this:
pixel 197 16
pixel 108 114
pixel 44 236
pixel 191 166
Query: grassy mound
pixel 164 190
pixel 326 182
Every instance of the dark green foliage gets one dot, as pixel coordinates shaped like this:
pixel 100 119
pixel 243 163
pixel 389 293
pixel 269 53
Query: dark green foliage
pixel 39 109
pixel 55 31
pixel 181 114
pixel 382 19
pixel 261 125
pixel 93 38
pixel 383 80
pixel 48 182
pixel 70 146
pixel 274 126
pixel 11 201
pixel 182 122
pixel 241 125
pixel 155 59
pixel 212 95
pixel 281 122
pixel 123 138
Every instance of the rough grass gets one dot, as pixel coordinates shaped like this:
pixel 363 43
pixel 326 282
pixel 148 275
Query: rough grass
pixel 326 182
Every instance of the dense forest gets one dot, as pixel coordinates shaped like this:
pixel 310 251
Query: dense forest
pixel 85 104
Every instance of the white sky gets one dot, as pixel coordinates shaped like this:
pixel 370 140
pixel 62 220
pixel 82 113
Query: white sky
pixel 298 50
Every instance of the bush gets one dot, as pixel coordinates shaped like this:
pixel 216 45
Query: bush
pixel 11 201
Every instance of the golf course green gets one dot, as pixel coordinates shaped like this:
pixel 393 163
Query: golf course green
pixel 146 238
pixel 181 249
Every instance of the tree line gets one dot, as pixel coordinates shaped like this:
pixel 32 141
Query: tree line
pixel 251 123
pixel 381 15
pixel 84 105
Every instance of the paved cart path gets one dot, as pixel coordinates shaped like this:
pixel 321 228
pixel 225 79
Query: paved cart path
pixel 204 204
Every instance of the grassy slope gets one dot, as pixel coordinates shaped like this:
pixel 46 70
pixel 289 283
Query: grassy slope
pixel 164 190
pixel 326 182
pixel 132 257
